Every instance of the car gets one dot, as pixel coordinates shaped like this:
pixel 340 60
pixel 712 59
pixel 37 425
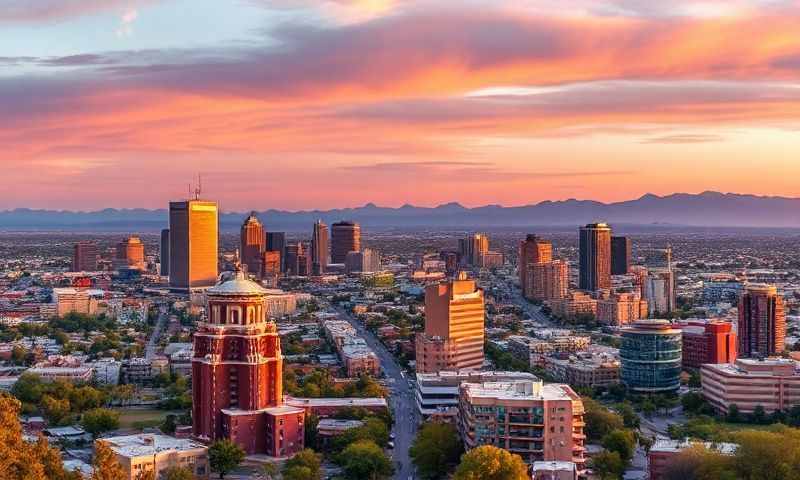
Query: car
pixel 390 444
pixel 391 436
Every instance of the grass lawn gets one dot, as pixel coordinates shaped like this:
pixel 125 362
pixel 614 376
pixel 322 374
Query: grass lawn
pixel 142 418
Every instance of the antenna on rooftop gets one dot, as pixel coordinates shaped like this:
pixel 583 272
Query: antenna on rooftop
pixel 199 189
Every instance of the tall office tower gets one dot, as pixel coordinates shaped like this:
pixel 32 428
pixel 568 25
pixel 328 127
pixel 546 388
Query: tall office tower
pixel 293 251
pixel 345 237
pixel 532 251
pixel 620 255
pixel 251 241
pixel 710 341
pixel 84 257
pixel 276 242
pixel 659 257
pixel 319 248
pixel 548 280
pixel 762 322
pixel 129 254
pixel 193 244
pixel 237 373
pixel 164 253
pixel 454 327
pixel 304 265
pixel 271 268
pixel 472 248
pixel 659 291
pixel 595 257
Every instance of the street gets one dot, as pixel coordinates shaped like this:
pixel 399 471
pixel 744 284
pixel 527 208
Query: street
pixel 401 400
pixel 150 349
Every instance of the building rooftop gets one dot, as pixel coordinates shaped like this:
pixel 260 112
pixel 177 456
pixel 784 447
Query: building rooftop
pixel 336 402
pixel 236 284
pixel 149 444
pixel 675 446
pixel 519 390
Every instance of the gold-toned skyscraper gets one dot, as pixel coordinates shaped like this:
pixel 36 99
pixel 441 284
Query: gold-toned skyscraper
pixel 194 244
pixel 454 327
pixel 252 241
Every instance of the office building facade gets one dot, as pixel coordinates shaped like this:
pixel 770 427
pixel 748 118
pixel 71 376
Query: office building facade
pixel 548 280
pixel 533 250
pixel 773 383
pixel 620 255
pixel 659 291
pixel 319 248
pixel 251 244
pixel 712 341
pixel 84 257
pixel 345 238
pixel 595 257
pixel 454 327
pixel 193 244
pixel 762 322
pixel 129 254
pixel 650 356
pixel 163 254
pixel 276 242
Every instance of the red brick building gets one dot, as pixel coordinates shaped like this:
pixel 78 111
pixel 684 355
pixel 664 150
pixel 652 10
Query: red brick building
pixel 708 342
pixel 237 373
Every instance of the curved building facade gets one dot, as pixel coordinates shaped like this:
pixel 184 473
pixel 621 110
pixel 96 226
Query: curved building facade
pixel 651 354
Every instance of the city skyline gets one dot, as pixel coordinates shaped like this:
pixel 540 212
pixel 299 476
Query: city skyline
pixel 395 102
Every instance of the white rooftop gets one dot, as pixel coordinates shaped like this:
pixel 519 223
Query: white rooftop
pixel 149 444
pixel 518 390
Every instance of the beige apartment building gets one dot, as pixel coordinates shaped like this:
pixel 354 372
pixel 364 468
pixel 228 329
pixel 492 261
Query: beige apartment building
pixel 142 453
pixel 538 421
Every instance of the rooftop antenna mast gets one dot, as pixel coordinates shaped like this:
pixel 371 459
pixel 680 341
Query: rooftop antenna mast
pixel 199 189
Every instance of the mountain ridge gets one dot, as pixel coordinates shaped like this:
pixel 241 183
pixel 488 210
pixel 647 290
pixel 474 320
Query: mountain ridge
pixel 709 208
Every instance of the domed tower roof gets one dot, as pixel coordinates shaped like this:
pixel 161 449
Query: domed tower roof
pixel 236 283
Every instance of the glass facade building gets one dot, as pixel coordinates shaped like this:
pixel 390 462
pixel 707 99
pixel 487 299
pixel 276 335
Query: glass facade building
pixel 651 354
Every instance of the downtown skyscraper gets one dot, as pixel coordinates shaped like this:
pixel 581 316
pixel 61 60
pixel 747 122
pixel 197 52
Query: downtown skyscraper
pixel 595 257
pixel 251 244
pixel 319 248
pixel 533 250
pixel 194 244
pixel 762 322
pixel 345 238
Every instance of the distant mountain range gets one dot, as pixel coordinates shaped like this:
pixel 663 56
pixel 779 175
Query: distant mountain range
pixel 711 209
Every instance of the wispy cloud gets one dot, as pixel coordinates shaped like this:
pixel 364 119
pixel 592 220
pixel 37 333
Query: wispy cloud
pixel 683 139
pixel 125 28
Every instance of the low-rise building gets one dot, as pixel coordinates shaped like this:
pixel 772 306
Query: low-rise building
pixel 436 394
pixel 142 453
pixel 575 304
pixel 621 309
pixel 538 421
pixel 554 471
pixel 773 383
pixel 664 451
pixel 584 369
pixel 708 341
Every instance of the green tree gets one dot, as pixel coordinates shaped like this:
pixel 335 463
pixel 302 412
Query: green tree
pixel 306 465
pixel 608 465
pixel 768 455
pixel 436 450
pixel 105 465
pixel 629 417
pixel 599 420
pixel 699 463
pixel 177 473
pixel 365 460
pixel 100 420
pixel 55 410
pixel 622 442
pixel 28 388
pixel 733 415
pixel 491 463
pixel 311 431
pixel 759 415
pixel 225 456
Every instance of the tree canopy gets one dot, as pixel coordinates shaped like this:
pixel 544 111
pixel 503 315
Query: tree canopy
pixel 436 450
pixel 491 463
pixel 225 456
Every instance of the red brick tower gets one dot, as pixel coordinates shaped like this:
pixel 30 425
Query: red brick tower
pixel 237 373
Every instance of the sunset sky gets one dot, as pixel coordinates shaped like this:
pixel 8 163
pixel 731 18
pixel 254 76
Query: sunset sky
pixel 302 104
